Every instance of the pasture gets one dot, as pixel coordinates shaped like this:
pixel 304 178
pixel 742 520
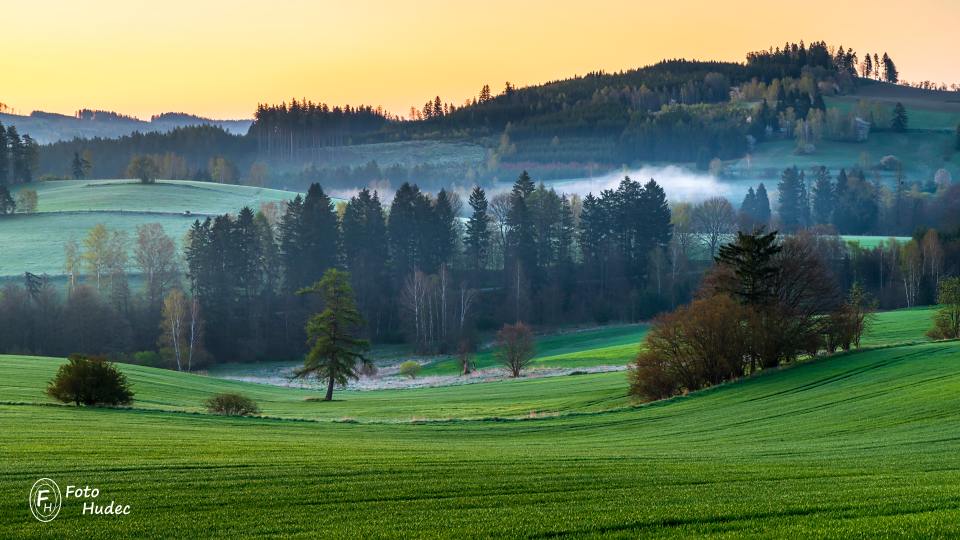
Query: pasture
pixel 69 209
pixel 854 444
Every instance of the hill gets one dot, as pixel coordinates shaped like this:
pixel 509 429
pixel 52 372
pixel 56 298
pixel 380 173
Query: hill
pixel 69 209
pixel 849 445
pixel 47 127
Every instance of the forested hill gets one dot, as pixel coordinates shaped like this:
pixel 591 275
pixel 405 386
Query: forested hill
pixel 675 110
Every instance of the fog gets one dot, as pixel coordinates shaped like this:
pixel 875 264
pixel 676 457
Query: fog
pixel 680 183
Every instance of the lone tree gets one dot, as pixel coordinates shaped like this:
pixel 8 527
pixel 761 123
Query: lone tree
pixel 143 168
pixel 336 351
pixel 90 381
pixel 516 347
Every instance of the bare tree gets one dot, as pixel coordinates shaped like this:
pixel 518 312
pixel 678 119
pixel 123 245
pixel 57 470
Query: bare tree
pixel 413 298
pixel 172 325
pixel 712 221
pixel 932 251
pixel 516 348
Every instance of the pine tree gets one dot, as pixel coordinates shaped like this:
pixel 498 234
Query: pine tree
pixel 290 244
pixel 890 73
pixel 77 166
pixel 867 66
pixel 336 350
pixel 365 255
pixel 791 196
pixel 5 155
pixel 444 230
pixel 899 121
pixel 319 237
pixel 823 197
pixel 17 155
pixel 763 206
pixel 748 207
pixel 477 242
pixel 956 142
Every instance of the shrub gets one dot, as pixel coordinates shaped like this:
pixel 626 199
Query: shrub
pixel 148 358
pixel 698 345
pixel 946 323
pixel 231 404
pixel 90 381
pixel 410 369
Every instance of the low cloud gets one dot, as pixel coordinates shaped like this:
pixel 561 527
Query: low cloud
pixel 680 183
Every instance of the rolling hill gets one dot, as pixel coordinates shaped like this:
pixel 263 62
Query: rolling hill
pixel 857 444
pixel 69 209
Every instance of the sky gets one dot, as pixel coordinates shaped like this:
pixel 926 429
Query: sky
pixel 220 58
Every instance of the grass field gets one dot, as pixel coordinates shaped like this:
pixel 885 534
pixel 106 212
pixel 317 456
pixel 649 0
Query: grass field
pixel 69 209
pixel 851 445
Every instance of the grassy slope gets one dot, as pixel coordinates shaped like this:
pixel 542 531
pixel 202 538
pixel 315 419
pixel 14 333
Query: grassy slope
pixel 853 445
pixel 35 242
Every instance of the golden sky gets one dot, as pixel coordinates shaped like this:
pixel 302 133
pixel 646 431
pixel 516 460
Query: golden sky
pixel 220 58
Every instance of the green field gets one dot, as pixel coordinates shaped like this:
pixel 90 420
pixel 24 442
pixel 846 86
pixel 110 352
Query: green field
pixel 69 209
pixel 860 444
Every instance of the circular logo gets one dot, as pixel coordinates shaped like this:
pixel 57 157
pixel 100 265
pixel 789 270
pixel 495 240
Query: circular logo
pixel 45 500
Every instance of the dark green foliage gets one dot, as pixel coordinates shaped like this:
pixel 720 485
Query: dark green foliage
pixel 751 258
pixel 857 204
pixel 477 241
pixel 87 380
pixel 824 198
pixel 231 404
pixel 5 155
pixel 899 122
pixel 794 203
pixel 7 204
pixel 946 323
pixel 336 353
pixel 365 255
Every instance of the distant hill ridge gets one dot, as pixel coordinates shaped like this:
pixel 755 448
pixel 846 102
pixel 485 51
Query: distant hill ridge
pixel 47 127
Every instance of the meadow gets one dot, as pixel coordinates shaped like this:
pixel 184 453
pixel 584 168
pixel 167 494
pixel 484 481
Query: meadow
pixel 856 444
pixel 69 209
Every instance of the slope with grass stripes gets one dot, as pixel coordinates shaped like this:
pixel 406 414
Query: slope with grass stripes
pixel 860 444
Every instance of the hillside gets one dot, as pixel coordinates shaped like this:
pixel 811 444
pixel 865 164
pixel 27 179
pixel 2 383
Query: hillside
pixel 48 127
pixel 850 445
pixel 69 209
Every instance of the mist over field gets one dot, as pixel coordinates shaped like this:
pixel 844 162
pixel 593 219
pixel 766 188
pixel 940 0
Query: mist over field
pixel 680 183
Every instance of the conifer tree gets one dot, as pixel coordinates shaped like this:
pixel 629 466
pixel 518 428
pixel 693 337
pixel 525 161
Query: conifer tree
pixel 477 242
pixel 899 121
pixel 823 197
pixel 5 155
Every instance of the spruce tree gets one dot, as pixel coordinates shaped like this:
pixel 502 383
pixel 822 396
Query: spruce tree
pixel 319 236
pixel 5 155
pixel 76 166
pixel 899 121
pixel 477 242
pixel 748 207
pixel 17 155
pixel 789 197
pixel 444 230
pixel 823 197
pixel 290 244
pixel 763 206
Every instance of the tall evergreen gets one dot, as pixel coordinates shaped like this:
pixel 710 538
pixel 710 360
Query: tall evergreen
pixel 823 197
pixel 290 244
pixel 899 121
pixel 5 155
pixel 444 231
pixel 477 241
pixel 791 196
pixel 365 256
pixel 763 212
pixel 521 235
pixel 76 166
pixel 319 237
pixel 18 156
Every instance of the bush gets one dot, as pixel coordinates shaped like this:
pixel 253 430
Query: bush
pixel 90 381
pixel 231 404
pixel 148 358
pixel 698 345
pixel 410 369
pixel 946 323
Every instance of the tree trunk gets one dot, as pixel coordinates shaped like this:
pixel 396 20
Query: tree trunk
pixel 329 390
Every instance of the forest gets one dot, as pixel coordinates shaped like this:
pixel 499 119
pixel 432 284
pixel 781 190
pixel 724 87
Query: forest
pixel 677 110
